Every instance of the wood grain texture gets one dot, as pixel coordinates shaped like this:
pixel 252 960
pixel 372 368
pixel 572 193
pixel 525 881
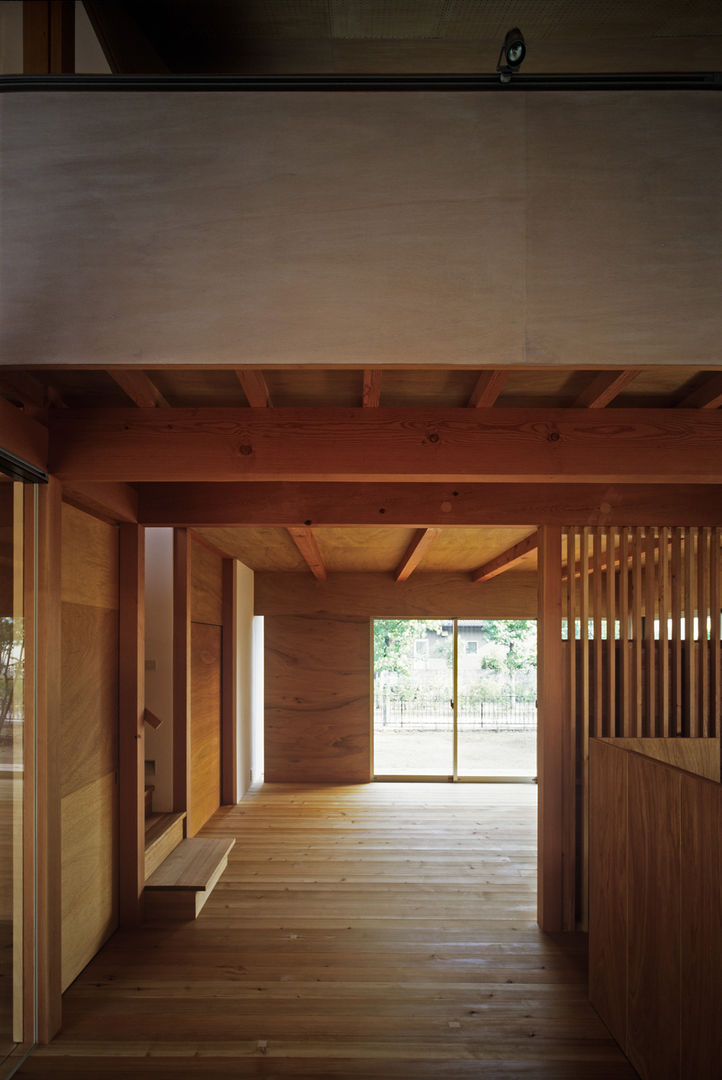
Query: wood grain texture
pixel 205 725
pixel 481 445
pixel 110 502
pixel 23 437
pixel 608 847
pixel 422 504
pixel 426 594
pixel 701 933
pixel 206 604
pixel 90 560
pixel 699 756
pixel 318 702
pixel 89 649
pixel 654 871
pixel 90 872
pixel 354 929
pixel 181 668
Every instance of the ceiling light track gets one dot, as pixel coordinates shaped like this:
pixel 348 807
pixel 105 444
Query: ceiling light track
pixel 473 83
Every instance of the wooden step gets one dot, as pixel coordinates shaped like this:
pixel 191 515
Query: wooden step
pixel 163 833
pixel 180 886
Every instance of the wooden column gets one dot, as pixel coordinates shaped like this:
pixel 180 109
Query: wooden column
pixel 229 683
pixel 131 706
pixel 48 37
pixel 48 721
pixel 181 668
pixel 552 717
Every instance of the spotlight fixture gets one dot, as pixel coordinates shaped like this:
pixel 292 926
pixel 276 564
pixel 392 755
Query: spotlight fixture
pixel 511 54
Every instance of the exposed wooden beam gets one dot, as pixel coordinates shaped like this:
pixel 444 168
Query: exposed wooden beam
pixel 111 502
pixel 254 387
pixel 48 37
pixel 445 445
pixel 507 559
pixel 372 388
pixel 23 437
pixel 422 541
pixel 139 388
pixel 488 387
pixel 708 396
pixel 23 388
pixel 604 388
pixel 305 541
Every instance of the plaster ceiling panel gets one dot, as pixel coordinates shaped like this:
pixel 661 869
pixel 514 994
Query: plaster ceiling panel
pixel 257 548
pixel 466 549
pixel 362 549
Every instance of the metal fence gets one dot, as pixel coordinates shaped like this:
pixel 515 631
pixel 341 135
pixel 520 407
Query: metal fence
pixel 435 714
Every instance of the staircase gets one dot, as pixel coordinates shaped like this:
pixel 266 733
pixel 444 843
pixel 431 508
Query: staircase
pixel 180 873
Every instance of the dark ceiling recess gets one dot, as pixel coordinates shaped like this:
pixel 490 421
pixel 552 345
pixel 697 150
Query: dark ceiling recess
pixel 384 37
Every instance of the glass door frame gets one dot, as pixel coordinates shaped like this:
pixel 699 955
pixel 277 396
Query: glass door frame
pixel 431 778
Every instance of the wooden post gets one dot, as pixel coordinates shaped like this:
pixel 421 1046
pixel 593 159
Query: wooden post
pixel 48 728
pixel 131 707
pixel 181 668
pixel 48 37
pixel 552 719
pixel 229 689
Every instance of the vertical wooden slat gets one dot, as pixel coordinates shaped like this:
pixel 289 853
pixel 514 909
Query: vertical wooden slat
pixel 676 599
pixel 650 600
pixel 625 726
pixel 570 742
pixel 597 593
pixel 48 727
pixel 637 600
pixel 229 689
pixel 181 668
pixel 584 719
pixel 690 644
pixel 131 707
pixel 611 718
pixel 549 735
pixel 702 614
pixel 716 641
pixel 664 612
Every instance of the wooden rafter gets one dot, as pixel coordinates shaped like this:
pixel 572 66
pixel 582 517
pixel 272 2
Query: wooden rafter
pixel 305 541
pixel 372 388
pixel 507 559
pixel 664 446
pixel 255 387
pixel 422 541
pixel 604 388
pixel 488 387
pixel 139 388
pixel 708 396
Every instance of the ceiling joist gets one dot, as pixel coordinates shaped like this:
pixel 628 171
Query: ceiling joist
pixel 422 541
pixel 604 388
pixel 487 389
pixel 507 559
pixel 445 445
pixel 139 388
pixel 708 396
pixel 372 388
pixel 305 541
pixel 255 387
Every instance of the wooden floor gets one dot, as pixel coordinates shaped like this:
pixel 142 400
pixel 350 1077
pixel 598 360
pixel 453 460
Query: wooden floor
pixel 378 931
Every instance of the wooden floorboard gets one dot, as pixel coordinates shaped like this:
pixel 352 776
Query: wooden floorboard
pixel 372 931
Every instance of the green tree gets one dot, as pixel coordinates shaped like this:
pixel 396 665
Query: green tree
pixel 394 642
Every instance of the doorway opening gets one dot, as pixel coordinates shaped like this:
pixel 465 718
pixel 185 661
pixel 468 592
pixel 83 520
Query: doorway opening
pixel 454 699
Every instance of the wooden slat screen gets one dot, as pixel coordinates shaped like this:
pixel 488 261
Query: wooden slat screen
pixel 642 623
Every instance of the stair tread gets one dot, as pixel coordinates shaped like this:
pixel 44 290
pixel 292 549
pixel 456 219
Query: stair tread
pixel 193 865
pixel 156 825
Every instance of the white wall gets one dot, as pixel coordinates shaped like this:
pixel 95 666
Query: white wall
pixel 159 661
pixel 257 725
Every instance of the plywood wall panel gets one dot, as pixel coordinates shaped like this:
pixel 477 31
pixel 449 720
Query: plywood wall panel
pixel 205 725
pixel 89 648
pixel 90 560
pixel 423 595
pixel 701 929
pixel 89 831
pixel 206 585
pixel 318 699
pixel 654 869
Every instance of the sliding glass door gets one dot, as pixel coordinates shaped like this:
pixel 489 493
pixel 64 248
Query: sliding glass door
pixel 454 699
